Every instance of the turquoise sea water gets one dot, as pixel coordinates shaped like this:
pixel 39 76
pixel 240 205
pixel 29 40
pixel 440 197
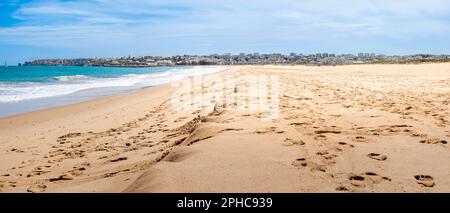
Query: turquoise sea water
pixel 45 86
pixel 52 73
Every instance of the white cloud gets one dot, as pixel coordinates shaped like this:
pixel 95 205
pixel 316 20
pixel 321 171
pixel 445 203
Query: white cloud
pixel 143 23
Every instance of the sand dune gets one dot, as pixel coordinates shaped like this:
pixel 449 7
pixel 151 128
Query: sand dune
pixel 365 128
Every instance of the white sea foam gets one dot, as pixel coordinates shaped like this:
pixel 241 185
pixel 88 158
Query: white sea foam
pixel 72 78
pixel 65 85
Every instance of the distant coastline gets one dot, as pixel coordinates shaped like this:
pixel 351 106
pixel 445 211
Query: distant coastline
pixel 244 59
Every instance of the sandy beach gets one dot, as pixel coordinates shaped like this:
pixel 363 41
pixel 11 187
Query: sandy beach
pixel 358 128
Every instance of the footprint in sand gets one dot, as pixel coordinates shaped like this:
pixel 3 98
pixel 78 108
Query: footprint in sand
pixel 37 188
pixel 376 178
pixel 342 189
pixel 62 177
pixel 269 130
pixel 360 139
pixel 67 136
pixel 357 180
pixel 231 130
pixel 299 124
pixel 434 141
pixel 326 155
pixel 378 157
pixel 425 180
pixel 77 171
pixel 118 159
pixel 318 168
pixel 328 131
pixel 346 144
pixel 300 162
pixel 292 142
pixel 17 150
pixel 320 137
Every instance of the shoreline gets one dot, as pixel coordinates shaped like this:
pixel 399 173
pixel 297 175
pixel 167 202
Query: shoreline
pixel 341 129
pixel 90 94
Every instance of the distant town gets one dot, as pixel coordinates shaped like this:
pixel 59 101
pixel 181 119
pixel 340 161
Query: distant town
pixel 243 59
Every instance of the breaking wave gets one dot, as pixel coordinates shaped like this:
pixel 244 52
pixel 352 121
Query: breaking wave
pixel 65 85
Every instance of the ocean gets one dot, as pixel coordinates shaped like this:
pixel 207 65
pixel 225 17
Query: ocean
pixel 30 88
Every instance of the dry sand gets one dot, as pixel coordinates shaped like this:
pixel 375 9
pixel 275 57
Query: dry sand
pixel 361 128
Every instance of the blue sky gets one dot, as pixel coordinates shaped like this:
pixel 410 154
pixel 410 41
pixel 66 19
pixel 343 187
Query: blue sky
pixel 32 29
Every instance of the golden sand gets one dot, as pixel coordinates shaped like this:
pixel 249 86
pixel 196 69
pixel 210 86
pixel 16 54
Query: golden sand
pixel 361 128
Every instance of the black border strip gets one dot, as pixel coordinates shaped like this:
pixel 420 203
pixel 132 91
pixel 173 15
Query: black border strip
pixel 170 201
